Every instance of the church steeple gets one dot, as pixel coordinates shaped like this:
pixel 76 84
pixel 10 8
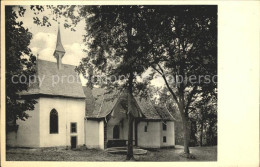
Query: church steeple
pixel 59 51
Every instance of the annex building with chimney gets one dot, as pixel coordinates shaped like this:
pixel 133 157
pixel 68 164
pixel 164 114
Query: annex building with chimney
pixel 68 114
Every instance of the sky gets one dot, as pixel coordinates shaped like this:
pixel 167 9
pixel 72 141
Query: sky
pixel 44 40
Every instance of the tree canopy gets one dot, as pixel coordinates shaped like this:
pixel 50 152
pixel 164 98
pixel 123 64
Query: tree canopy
pixel 184 51
pixel 19 62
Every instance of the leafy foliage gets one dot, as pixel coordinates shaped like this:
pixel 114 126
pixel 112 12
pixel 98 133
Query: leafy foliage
pixel 116 37
pixel 19 62
pixel 202 117
pixel 184 44
pixel 207 119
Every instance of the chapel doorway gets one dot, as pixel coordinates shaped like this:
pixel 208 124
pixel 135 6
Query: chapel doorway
pixel 116 132
pixel 73 141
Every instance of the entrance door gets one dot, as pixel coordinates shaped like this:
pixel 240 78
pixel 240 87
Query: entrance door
pixel 73 141
pixel 116 132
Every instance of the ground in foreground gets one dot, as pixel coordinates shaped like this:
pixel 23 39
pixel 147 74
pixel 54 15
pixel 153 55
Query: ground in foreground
pixel 60 154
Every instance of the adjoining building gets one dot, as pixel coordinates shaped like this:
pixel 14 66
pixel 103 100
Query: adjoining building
pixel 106 122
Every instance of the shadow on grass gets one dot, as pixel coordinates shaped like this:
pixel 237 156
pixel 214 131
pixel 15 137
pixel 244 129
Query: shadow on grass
pixel 83 154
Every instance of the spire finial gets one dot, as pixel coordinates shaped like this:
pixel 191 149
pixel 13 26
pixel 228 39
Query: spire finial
pixel 59 46
pixel 59 51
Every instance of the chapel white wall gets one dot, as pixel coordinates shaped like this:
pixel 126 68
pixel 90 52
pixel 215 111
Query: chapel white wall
pixel 94 133
pixel 69 110
pixel 151 138
pixel 168 133
pixel 27 134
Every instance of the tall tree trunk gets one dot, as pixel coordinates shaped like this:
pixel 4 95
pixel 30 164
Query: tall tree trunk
pixel 186 135
pixel 130 154
pixel 201 133
pixel 185 125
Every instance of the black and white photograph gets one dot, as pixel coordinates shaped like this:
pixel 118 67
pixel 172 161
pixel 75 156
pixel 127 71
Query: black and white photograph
pixel 111 83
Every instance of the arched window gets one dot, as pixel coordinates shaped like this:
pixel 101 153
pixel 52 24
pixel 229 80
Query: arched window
pixel 54 121
pixel 116 132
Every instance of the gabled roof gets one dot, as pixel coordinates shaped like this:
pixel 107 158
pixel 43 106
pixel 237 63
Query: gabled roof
pixel 56 82
pixel 148 110
pixel 164 113
pixel 99 105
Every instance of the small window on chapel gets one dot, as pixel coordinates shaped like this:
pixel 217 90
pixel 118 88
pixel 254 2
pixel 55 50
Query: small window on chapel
pixel 145 128
pixel 73 127
pixel 164 126
pixel 164 139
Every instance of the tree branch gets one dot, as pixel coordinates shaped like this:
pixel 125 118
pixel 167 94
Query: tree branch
pixel 167 84
pixel 157 70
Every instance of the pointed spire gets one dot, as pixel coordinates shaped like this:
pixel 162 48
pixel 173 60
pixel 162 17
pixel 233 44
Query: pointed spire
pixel 59 51
pixel 59 46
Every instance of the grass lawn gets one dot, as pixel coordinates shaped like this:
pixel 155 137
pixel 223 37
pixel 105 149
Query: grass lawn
pixel 60 154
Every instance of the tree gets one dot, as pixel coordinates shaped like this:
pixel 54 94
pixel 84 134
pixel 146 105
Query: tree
pixel 20 63
pixel 185 45
pixel 118 49
pixel 208 119
pixel 116 37
pixel 202 117
pixel 162 96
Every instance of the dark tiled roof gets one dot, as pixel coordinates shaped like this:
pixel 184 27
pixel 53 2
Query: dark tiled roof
pixel 148 110
pixel 99 105
pixel 164 113
pixel 56 82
